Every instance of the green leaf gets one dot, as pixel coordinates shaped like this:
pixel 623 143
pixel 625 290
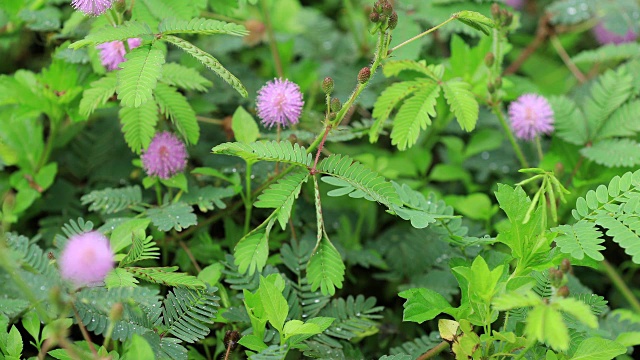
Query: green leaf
pixel 414 115
pixel 622 121
pixel 110 201
pixel 251 253
pixel 614 153
pixel 594 348
pixel 475 20
pixel 462 102
pixel 423 304
pixel 98 94
pixel 123 235
pixel 280 151
pixel 325 269
pixel 14 343
pixel 200 26
pixel 166 276
pixel 244 126
pixel 176 216
pixel 142 248
pixel 280 196
pixel 544 323
pixel 208 61
pixel 274 303
pixel 579 239
pixel 139 125
pixel 624 230
pixel 570 123
pixel 119 277
pixel 253 342
pixel 611 91
pixel 482 281
pixel 176 107
pixel 187 313
pixel 108 33
pixel 184 77
pixel 137 348
pixel 387 100
pixel 138 75
pixel 607 53
pixel 31 323
pixel 579 310
pixel 514 300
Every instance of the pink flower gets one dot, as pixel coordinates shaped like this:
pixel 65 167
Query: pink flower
pixel 92 7
pixel 165 156
pixel 516 4
pixel 112 53
pixel 86 259
pixel 279 102
pixel 605 36
pixel 531 115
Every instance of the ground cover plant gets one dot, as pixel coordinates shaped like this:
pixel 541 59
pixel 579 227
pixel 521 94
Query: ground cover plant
pixel 338 179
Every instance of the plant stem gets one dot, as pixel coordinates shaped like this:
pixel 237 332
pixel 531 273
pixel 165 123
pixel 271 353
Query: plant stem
pixel 434 351
pixel 567 59
pixel 209 120
pixel 539 148
pixel 48 148
pixel 272 40
pixel 247 198
pixel 523 161
pixel 621 285
pixel 324 138
pixel 421 34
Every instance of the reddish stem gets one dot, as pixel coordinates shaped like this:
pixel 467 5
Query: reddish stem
pixel 313 170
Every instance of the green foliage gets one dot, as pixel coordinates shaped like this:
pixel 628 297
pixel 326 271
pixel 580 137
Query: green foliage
pixel 200 26
pixel 325 269
pixel 175 107
pixel 128 30
pixel 185 313
pixel 111 201
pixel 176 216
pixel 282 151
pixel 281 195
pixel 139 75
pixel 98 94
pixel 613 153
pixel 184 77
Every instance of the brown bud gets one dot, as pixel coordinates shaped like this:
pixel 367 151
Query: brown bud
pixel 364 75
pixel 489 59
pixel 565 266
pixel 495 11
pixel 374 17
pixel 563 291
pixel 393 20
pixel 231 338
pixel 327 85
pixel 491 88
pixel 332 115
pixel 387 9
pixel 116 312
pixel 559 169
pixel 508 19
pixel 335 104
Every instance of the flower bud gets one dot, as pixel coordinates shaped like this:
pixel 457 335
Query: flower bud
pixel 364 75
pixel 335 104
pixel 508 19
pixel 393 20
pixel 120 6
pixel 489 59
pixel 563 291
pixel 498 82
pixel 374 17
pixel 327 85
pixel 491 88
pixel 116 312
pixel 332 115
pixel 495 11
pixel 387 9
pixel 559 169
pixel 565 266
pixel 231 338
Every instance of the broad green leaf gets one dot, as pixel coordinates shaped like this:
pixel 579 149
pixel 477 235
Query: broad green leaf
pixel 122 236
pixel 244 126
pixel 252 342
pixel 137 348
pixel 579 310
pixel 176 107
pixel 462 102
pixel 475 20
pixel 251 253
pixel 14 343
pixel 544 323
pixel 138 75
pixel 514 300
pixel 423 304
pixel 274 303
pixel 31 323
pixel 598 349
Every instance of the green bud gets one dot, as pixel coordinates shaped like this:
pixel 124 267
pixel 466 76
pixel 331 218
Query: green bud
pixel 489 59
pixel 364 75
pixel 374 17
pixel 491 88
pixel 335 104
pixel 120 6
pixel 327 85
pixel 498 82
pixel 387 9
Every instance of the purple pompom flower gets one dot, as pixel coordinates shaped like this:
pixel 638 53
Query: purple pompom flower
pixel 279 102
pixel 112 53
pixel 531 115
pixel 86 259
pixel 516 4
pixel 92 7
pixel 165 156
pixel 605 36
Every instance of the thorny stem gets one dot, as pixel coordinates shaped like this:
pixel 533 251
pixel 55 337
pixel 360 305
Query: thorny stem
pixel 421 35
pixel 498 112
pixel 434 351
pixel 621 285
pixel 567 59
pixel 272 40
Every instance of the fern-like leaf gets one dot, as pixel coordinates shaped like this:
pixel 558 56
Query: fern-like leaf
pixel 325 269
pixel 355 180
pixel 142 248
pixel 414 115
pixel 462 102
pixel 97 94
pixel 200 26
pixel 29 256
pixel 570 123
pixel 417 346
pixel 611 91
pixel 388 100
pixel 624 230
pixel 280 196
pixel 208 61
pixel 138 76
pixel 622 122
pixel 622 190
pixel 579 240
pixel 251 253
pixel 186 313
pixel 608 53
pixel 128 30
pixel 175 106
pixel 354 316
pixel 139 125
pixel 282 151
pixel 184 77
pixel 614 152
pixel 110 201
pixel 166 276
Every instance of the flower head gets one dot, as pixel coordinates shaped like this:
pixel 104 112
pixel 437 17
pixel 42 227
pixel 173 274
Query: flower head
pixel 605 36
pixel 516 4
pixel 531 115
pixel 165 156
pixel 279 102
pixel 112 53
pixel 86 259
pixel 92 7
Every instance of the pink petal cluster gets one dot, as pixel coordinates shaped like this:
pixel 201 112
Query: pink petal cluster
pixel 112 53
pixel 531 115
pixel 86 259
pixel 605 36
pixel 92 7
pixel 279 102
pixel 165 156
pixel 516 4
